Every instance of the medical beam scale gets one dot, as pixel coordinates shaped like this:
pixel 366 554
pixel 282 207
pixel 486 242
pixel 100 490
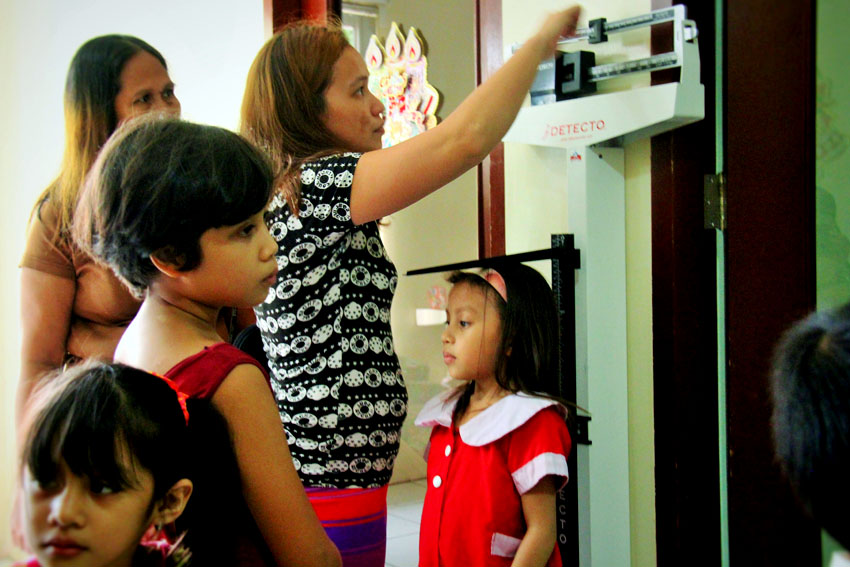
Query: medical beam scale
pixel 594 129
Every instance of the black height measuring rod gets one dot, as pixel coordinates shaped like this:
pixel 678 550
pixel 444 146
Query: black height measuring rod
pixel 570 254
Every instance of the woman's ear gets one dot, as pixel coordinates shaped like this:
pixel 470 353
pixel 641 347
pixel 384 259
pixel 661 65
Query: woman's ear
pixel 167 261
pixel 173 503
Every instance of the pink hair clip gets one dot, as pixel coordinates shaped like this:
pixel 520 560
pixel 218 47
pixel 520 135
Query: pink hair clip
pixel 496 280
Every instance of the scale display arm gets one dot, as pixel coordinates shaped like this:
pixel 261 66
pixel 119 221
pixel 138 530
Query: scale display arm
pixel 621 117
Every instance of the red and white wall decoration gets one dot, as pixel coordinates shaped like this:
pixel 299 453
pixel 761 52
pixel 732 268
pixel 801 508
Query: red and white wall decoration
pixel 398 76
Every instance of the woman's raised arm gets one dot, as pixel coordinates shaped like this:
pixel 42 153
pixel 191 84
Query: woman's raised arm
pixel 390 179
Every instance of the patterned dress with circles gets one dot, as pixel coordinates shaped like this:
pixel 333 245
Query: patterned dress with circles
pixel 326 332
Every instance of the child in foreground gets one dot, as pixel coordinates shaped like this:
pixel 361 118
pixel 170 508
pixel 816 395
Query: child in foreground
pixel 810 387
pixel 499 444
pixel 107 467
pixel 176 209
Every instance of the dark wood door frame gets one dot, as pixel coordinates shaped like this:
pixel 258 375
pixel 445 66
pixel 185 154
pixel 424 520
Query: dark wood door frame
pixel 278 13
pixel 684 313
pixel 770 258
pixel 769 162
pixel 491 171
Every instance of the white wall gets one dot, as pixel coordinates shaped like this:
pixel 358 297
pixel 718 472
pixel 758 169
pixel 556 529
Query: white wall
pixel 208 44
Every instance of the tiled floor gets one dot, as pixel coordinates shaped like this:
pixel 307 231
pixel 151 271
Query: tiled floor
pixel 404 503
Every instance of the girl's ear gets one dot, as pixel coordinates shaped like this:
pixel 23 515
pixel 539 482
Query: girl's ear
pixel 173 503
pixel 167 261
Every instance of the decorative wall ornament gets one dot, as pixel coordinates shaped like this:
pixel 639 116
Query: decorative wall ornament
pixel 398 76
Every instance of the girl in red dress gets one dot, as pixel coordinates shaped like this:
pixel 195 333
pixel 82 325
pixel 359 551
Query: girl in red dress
pixel 177 211
pixel 499 444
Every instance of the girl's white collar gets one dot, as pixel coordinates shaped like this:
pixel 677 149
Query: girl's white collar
pixel 491 424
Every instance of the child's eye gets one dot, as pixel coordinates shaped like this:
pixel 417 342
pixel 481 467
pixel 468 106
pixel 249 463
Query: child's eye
pixel 168 93
pixel 47 485
pixel 99 487
pixel 248 229
pixel 463 323
pixel 144 99
pixel 47 481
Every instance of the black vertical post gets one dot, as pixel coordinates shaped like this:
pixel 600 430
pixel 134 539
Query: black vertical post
pixel 563 288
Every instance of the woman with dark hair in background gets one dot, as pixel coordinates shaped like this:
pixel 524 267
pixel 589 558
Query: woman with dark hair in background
pixel 72 308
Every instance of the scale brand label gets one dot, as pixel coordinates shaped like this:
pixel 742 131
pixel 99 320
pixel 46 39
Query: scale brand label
pixel 573 130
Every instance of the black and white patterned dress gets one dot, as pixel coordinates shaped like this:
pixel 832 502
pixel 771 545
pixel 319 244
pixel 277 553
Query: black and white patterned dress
pixel 326 331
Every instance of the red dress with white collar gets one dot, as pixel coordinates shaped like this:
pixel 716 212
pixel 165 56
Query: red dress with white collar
pixel 478 472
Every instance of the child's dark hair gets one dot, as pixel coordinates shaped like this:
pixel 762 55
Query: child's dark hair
pixel 529 329
pixel 98 404
pixel 95 415
pixel 811 415
pixel 158 185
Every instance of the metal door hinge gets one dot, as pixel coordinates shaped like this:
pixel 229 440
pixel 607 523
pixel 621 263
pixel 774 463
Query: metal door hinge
pixel 714 201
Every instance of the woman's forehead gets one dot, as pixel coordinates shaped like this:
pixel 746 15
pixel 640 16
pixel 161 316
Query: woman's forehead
pixel 349 66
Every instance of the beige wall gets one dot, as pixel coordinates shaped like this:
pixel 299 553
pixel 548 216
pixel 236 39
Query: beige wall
pixel 536 207
pixel 441 228
pixel 209 45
